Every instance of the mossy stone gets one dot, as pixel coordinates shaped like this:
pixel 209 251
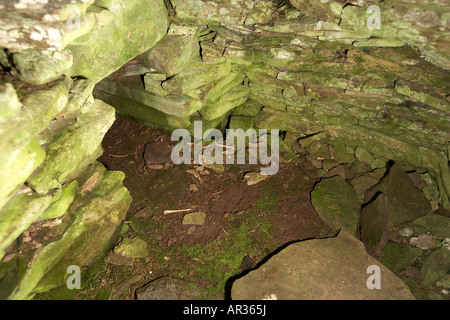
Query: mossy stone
pixel 337 204
pixel 397 256
pixel 132 248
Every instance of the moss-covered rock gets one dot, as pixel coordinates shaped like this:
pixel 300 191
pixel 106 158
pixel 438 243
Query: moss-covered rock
pixel 197 75
pixel 172 54
pixel 105 203
pixel 17 167
pixel 11 103
pixel 397 256
pixel 39 108
pixel 336 202
pixel 18 214
pixel 39 67
pixel 436 266
pixel 312 269
pixel 437 225
pixel 66 154
pixel 132 248
pixel 137 27
pixel 61 205
pixel 142 113
pixel 131 88
pixel 374 219
pixel 404 202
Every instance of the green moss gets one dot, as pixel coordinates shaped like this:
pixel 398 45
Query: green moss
pixel 269 200
pixel 137 27
pixel 77 142
pixel 221 259
pixel 397 256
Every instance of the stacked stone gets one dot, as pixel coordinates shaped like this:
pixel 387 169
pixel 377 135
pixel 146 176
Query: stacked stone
pixel 379 92
pixel 58 205
pixel 352 87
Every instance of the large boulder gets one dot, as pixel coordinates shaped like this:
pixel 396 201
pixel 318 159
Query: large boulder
pixel 320 269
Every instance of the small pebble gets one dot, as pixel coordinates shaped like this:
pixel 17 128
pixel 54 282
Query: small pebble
pixel 406 232
pixel 424 241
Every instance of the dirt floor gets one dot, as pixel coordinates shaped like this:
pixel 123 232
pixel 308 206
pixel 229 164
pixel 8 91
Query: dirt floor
pixel 244 224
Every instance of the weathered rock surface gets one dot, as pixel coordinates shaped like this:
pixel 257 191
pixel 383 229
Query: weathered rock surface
pixel 374 219
pixel 398 256
pixel 404 202
pixel 313 269
pixel 336 202
pixel 361 83
pixel 180 51
pixel 136 27
pixel 437 225
pixel 106 202
pixel 68 153
pixel 436 266
pixel 132 248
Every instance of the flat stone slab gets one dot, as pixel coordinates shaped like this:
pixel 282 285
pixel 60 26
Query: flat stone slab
pixel 320 269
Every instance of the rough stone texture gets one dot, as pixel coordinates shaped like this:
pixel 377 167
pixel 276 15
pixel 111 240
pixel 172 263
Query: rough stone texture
pixel 195 218
pixel 105 206
pixel 364 95
pixel 437 225
pixel 181 51
pixel 362 183
pixel 18 166
pixel 374 220
pixel 49 26
pixel 39 108
pixel 132 248
pixel 436 266
pixel 32 66
pixel 18 214
pixel 322 69
pixel 131 87
pixel 404 202
pixel 397 256
pixel 313 269
pixel 337 204
pixel 136 27
pixel 75 144
pixel 11 103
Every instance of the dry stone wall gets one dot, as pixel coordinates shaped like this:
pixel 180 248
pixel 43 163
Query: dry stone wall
pixel 59 206
pixel 354 82
pixel 367 78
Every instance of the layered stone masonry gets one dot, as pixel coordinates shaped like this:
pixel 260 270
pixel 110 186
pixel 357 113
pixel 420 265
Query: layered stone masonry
pixel 366 81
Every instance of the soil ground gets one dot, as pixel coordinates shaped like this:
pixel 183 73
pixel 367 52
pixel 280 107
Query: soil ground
pixel 244 224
